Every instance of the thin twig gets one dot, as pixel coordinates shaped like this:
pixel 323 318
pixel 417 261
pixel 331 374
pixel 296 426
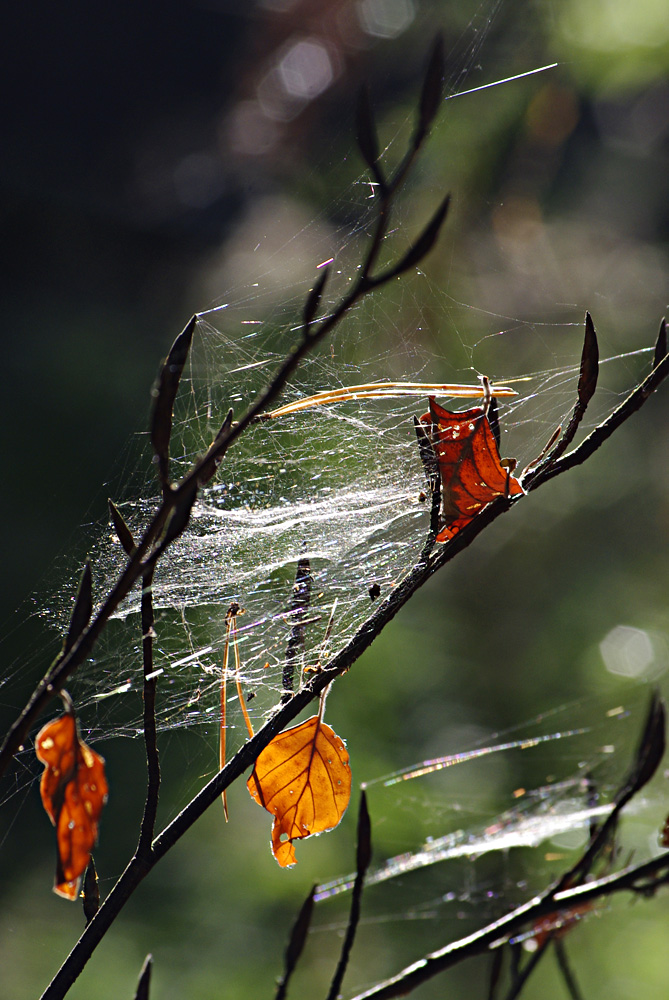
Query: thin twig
pixel 566 970
pixel 363 857
pixel 643 879
pixel 553 898
pixel 298 937
pixel 148 826
pixel 522 975
pixel 596 438
pixel 144 982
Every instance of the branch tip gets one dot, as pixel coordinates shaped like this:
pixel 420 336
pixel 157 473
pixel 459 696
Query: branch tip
pixel 587 382
pixel 83 608
pixel 431 94
pixel 660 344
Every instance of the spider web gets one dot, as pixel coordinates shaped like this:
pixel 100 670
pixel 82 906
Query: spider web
pixel 340 486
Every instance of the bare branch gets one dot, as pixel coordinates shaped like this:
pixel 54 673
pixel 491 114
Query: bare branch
pixel 298 937
pixel 165 394
pixel 363 857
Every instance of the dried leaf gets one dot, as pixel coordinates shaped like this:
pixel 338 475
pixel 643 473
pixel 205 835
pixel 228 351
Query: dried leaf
pixel 74 790
pixel 555 925
pixel 303 778
pixel 471 471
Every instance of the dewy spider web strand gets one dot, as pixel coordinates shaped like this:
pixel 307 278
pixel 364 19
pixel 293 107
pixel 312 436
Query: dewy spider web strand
pixel 341 486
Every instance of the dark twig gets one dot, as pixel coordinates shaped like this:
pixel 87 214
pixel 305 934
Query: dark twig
pixel 363 857
pixel 522 975
pixel 587 383
pixel 660 344
pixel 91 892
pixel 296 615
pixel 150 735
pixel 165 394
pixel 495 972
pixel 596 438
pixel 83 608
pixel 643 879
pixel 147 829
pixel 649 754
pixel 566 970
pixel 144 982
pixel 298 937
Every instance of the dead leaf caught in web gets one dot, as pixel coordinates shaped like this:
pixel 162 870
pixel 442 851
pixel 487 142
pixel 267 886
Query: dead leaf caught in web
pixel 472 475
pixel 303 778
pixel 74 790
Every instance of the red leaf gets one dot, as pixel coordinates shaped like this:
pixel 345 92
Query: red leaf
pixel 469 464
pixel 74 790
pixel 556 925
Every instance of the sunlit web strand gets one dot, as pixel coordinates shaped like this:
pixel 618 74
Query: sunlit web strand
pixel 439 763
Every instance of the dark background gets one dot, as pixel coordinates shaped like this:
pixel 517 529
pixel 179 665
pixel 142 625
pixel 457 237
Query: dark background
pixel 133 153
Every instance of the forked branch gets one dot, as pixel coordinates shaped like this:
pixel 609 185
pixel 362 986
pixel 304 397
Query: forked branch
pixel 173 515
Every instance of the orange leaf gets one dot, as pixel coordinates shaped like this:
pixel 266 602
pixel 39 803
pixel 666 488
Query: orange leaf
pixel 303 778
pixel 469 464
pixel 73 790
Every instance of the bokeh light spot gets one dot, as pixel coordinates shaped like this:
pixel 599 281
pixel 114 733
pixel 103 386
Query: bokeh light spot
pixel 628 652
pixel 306 70
pixel 386 18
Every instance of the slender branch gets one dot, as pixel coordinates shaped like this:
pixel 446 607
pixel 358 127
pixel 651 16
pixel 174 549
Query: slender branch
pixel 298 937
pixel 596 438
pixel 555 897
pixel 148 826
pixel 522 975
pixel 566 970
pixel 643 879
pixel 363 857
